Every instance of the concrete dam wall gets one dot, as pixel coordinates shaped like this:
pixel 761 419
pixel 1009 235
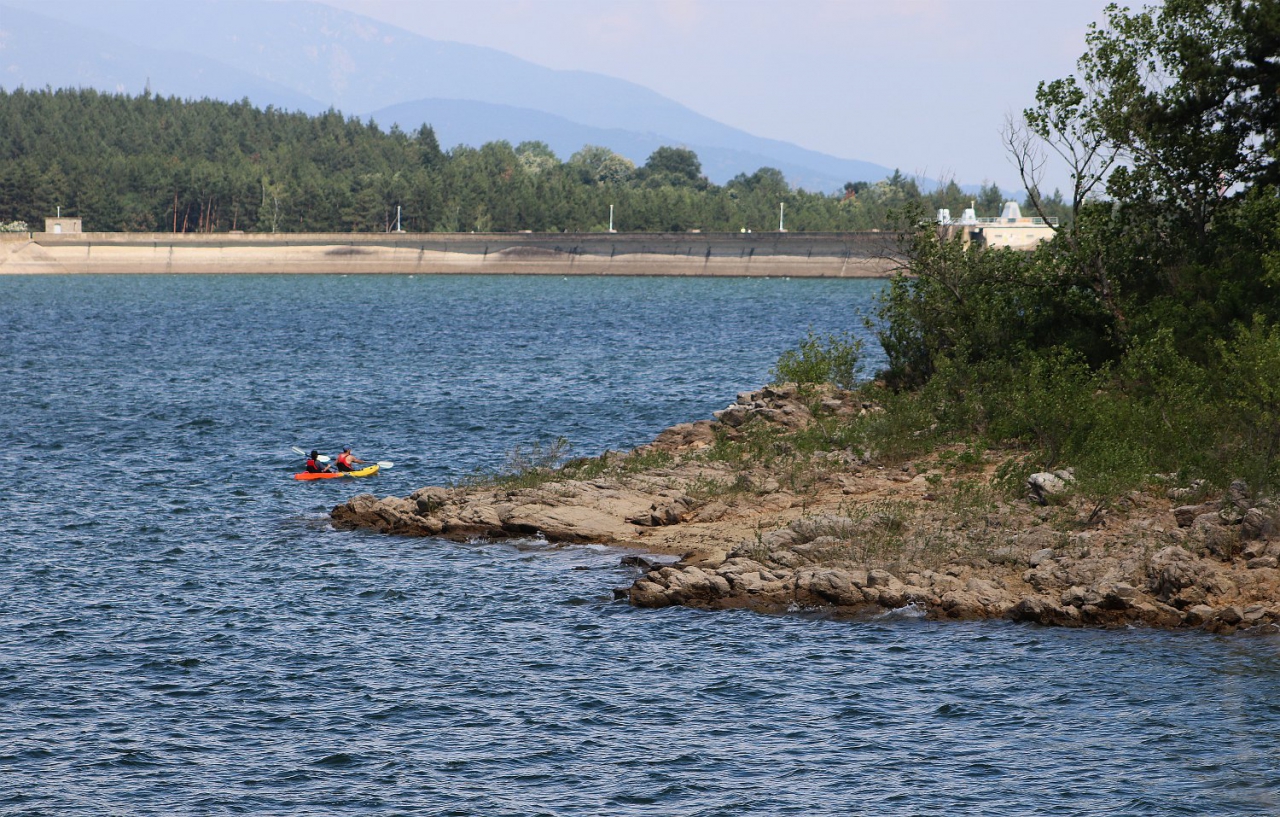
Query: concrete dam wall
pixel 816 255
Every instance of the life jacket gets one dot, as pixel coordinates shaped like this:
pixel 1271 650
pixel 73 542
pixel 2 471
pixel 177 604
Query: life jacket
pixel 344 460
pixel 313 467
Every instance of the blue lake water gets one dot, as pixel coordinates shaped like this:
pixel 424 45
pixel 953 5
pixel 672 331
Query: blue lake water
pixel 182 633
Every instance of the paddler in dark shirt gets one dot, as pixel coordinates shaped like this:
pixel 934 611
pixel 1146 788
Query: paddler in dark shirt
pixel 314 466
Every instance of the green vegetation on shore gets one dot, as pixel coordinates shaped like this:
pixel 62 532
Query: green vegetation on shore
pixel 1145 338
pixel 154 164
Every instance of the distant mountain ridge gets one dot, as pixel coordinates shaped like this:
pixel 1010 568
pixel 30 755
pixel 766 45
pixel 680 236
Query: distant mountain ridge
pixel 307 56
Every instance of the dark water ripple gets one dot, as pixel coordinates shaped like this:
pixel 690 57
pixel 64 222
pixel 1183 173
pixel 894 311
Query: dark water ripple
pixel 182 633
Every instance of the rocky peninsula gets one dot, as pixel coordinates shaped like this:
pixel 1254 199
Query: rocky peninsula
pixel 739 512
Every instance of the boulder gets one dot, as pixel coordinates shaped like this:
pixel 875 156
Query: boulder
pixel 882 579
pixel 1170 570
pixel 1040 557
pixel 786 558
pixel 1189 597
pixel 686 436
pixel 1046 576
pixel 1197 615
pixel 648 594
pixel 779 538
pixel 1074 596
pixel 1230 615
pixel 1256 524
pixel 827 587
pixel 569 523
pixel 1186 514
pixel 1117 596
pixel 779 501
pixel 692 585
pixel 431 525
pixel 1256 614
pixel 481 516
pixel 963 605
pixel 1221 540
pixel 1039 539
pixel 733 416
pixel 1043 485
pixel 1043 610
pixel 996 599
pixel 1155 614
pixel 430 499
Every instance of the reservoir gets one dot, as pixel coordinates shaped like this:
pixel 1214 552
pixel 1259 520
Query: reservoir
pixel 182 632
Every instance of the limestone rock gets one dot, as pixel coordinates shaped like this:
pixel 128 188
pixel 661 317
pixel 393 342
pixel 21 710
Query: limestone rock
pixel 1231 614
pixel 1257 524
pixel 570 523
pixel 827 587
pixel 648 594
pixel 1044 484
pixel 1043 610
pixel 1221 540
pixel 963 605
pixel 1186 514
pixel 1040 557
pixel 1197 615
pixel 430 499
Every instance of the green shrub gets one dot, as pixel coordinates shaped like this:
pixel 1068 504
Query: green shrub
pixel 1250 394
pixel 1047 401
pixel 821 359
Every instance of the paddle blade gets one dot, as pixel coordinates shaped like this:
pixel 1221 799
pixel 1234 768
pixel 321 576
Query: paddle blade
pixel 298 450
pixel 322 458
pixel 386 464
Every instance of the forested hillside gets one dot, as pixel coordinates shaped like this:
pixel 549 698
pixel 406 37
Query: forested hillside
pixel 151 163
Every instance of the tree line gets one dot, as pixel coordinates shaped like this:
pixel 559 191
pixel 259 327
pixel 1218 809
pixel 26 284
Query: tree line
pixel 161 164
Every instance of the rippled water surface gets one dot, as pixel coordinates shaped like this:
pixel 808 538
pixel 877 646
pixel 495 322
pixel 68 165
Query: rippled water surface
pixel 181 632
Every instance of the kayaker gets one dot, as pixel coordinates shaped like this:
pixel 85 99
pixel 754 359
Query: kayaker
pixel 314 466
pixel 346 459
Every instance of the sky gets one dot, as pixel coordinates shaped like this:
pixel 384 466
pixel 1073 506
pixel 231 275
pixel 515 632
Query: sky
pixel 922 85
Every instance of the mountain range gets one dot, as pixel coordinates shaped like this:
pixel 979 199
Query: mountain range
pixel 301 55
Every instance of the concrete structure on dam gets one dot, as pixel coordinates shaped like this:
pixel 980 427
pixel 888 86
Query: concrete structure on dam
pixel 816 255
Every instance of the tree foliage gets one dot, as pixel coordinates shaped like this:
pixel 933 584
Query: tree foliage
pixel 1144 338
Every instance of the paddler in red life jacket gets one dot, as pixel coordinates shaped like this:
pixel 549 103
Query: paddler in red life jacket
pixel 314 466
pixel 346 459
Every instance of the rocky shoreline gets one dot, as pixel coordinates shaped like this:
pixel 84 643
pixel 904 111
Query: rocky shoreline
pixel 838 531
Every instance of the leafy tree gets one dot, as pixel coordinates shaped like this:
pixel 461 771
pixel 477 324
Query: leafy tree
pixel 676 167
pixel 1143 338
pixel 536 157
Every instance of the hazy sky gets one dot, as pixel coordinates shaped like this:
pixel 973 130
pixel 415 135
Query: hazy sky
pixel 923 85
